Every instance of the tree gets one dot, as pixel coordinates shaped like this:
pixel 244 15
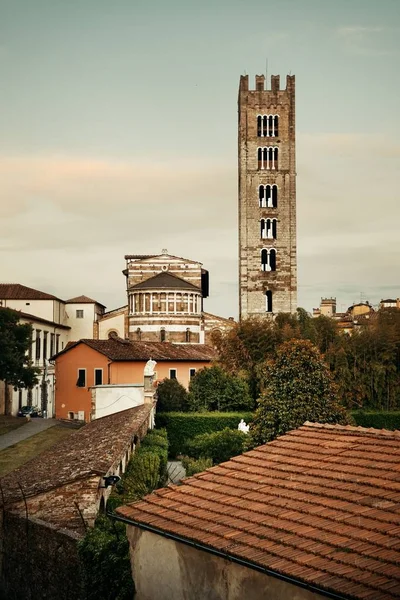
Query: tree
pixel 214 389
pixel 171 396
pixel 298 388
pixel 15 340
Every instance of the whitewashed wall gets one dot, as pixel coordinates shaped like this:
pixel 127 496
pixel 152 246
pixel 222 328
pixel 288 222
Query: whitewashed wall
pixel 110 399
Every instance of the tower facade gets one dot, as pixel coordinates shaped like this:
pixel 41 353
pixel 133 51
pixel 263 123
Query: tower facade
pixel 267 198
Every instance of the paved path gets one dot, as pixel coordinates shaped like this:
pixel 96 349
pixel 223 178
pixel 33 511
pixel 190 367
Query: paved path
pixel 175 471
pixel 26 431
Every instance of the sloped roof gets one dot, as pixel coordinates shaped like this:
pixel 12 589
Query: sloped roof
pixel 16 291
pixel 140 257
pixel 320 504
pixel 118 349
pixel 165 280
pixel 93 449
pixel 83 300
pixel 35 319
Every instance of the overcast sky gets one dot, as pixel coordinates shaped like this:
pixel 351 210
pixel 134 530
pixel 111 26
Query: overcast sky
pixel 118 135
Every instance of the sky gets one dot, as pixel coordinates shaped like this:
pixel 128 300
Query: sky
pixel 118 135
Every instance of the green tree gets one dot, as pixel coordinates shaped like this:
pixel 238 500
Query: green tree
pixel 219 445
pixel 298 388
pixel 15 340
pixel 171 396
pixel 214 389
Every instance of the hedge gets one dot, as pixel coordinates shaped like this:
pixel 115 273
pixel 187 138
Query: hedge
pixel 183 427
pixel 377 419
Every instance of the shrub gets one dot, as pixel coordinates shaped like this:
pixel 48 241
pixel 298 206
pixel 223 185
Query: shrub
pixel 377 419
pixel 193 466
pixel 183 427
pixel 171 396
pixel 219 446
pixel 104 556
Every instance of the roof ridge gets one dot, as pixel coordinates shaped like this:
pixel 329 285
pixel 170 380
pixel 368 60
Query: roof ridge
pixel 352 429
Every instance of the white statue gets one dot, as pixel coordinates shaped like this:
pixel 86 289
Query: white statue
pixel 243 427
pixel 149 368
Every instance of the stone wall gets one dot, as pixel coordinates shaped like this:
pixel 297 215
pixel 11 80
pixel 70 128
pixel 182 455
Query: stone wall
pixel 165 569
pixel 38 561
pixel 252 280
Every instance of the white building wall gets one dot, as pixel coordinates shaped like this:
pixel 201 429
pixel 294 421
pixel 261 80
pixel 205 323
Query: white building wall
pixel 81 327
pixel 40 308
pixel 46 375
pixel 110 399
pixel 115 323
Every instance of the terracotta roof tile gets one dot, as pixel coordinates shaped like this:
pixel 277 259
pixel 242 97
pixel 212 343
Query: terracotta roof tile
pixel 166 281
pixel 16 291
pixel 119 349
pixel 83 300
pixel 320 504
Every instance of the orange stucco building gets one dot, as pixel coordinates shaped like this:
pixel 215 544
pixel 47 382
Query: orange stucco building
pixel 88 363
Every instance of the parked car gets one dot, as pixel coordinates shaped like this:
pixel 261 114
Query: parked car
pixel 32 411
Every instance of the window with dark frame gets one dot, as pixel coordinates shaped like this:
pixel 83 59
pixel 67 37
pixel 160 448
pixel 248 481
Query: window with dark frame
pixel 52 336
pixel 57 342
pixel 192 373
pixel 172 373
pixel 268 301
pixel 79 314
pixel 45 334
pixel 98 377
pixel 81 378
pixel 38 343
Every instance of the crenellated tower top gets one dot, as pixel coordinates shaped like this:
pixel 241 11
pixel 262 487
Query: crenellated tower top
pixel 261 87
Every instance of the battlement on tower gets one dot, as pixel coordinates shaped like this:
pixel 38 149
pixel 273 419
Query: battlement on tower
pixel 261 87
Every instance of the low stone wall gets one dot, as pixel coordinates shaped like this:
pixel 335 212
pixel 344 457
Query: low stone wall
pixel 38 561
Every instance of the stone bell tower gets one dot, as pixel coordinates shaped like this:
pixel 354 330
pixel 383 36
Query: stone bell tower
pixel 267 198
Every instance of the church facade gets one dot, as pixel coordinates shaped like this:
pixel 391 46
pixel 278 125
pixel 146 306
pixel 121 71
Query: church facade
pixel 267 198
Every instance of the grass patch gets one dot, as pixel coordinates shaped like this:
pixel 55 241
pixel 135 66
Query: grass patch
pixel 8 423
pixel 14 456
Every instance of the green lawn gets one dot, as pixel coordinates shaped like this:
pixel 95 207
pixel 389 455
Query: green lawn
pixel 8 423
pixel 17 455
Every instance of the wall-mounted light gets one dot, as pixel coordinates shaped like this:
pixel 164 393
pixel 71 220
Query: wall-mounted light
pixel 110 480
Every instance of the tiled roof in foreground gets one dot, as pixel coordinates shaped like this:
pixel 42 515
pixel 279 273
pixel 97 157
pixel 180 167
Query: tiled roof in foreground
pixel 320 504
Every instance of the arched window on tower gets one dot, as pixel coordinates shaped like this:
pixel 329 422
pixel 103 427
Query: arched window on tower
pixel 267 125
pixel 268 196
pixel 138 334
pixel 268 301
pixel 268 229
pixel 162 335
pixel 187 335
pixel 267 158
pixel 268 259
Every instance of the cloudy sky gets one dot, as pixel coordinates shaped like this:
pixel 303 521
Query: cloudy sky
pixel 118 135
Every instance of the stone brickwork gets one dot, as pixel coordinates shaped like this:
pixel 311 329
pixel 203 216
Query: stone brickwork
pixel 39 561
pixel 280 171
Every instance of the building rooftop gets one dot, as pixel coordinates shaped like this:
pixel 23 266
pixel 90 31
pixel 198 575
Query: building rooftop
pixel 34 319
pixel 93 449
pixel 118 349
pixel 165 281
pixel 83 300
pixel 320 504
pixel 16 291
